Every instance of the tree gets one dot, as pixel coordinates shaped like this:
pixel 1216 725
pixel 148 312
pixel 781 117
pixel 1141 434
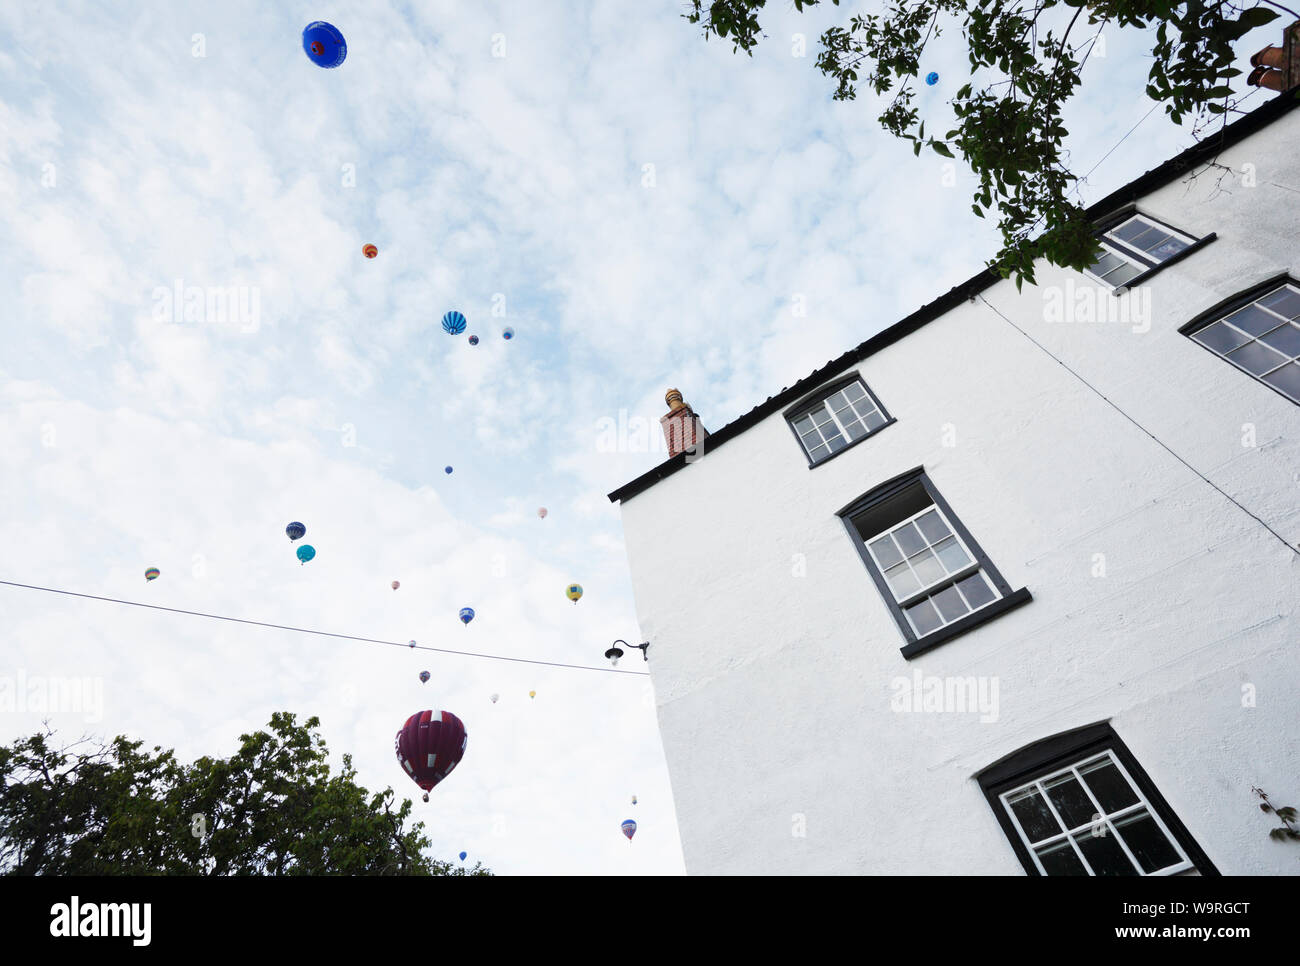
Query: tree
pixel 272 808
pixel 1009 117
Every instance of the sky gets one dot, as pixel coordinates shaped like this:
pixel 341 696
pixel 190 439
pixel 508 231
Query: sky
pixel 644 209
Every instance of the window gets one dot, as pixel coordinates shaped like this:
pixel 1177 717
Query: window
pixel 1079 804
pixel 933 576
pixel 836 418
pixel 1135 247
pixel 1259 335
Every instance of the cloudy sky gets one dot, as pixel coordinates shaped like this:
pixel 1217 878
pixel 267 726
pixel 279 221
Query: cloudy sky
pixel 645 210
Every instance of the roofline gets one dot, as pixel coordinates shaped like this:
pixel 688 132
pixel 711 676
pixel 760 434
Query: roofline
pixel 1141 186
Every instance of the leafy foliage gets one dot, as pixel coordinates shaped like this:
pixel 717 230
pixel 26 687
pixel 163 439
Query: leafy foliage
pixel 1009 116
pixel 271 808
pixel 1286 813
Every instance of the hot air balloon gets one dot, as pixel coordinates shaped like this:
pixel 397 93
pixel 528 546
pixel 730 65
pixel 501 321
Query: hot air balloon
pixel 633 799
pixel 306 552
pixel 473 340
pixel 429 746
pixel 532 694
pixel 324 44
pixel 932 78
pixel 463 855
pixel 541 512
pixel 574 592
pixel 410 644
pixel 447 470
pixel 370 251
pixel 152 573
pixel 466 615
pixel 453 323
pixel 508 334
pixel 629 828
pixel 396 584
pixel 494 698
pixel 296 531
pixel 424 677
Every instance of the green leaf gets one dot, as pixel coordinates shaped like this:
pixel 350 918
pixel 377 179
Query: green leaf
pixel 1257 17
pixel 941 148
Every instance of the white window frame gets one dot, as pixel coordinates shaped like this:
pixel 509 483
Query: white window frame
pixel 1068 835
pixel 823 403
pixel 1135 256
pixel 1224 320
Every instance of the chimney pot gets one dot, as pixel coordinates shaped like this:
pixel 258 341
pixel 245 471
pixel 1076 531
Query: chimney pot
pixel 682 428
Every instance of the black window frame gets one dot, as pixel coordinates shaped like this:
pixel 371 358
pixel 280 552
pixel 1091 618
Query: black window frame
pixel 1226 307
pixel 1009 599
pixel 818 398
pixel 1141 259
pixel 1068 748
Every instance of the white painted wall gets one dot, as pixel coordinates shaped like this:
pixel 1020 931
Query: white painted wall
pixel 774 690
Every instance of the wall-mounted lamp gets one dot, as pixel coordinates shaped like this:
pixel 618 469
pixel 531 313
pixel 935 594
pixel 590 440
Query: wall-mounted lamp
pixel 615 652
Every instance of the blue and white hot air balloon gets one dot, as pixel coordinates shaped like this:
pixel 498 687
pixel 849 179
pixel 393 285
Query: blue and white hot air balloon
pixel 453 323
pixel 932 78
pixel 324 44
pixel 629 828
pixel 306 552
pixel 466 615
pixel 296 531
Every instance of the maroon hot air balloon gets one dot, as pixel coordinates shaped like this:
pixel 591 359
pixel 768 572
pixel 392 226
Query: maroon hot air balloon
pixel 429 746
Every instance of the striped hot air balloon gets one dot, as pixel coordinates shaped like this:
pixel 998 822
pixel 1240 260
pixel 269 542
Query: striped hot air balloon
pixel 370 251
pixel 466 615
pixel 152 573
pixel 629 828
pixel 296 531
pixel 429 746
pixel 453 323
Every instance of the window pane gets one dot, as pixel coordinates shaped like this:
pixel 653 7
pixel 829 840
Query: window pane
pixel 927 567
pixel 1284 302
pixel 1071 801
pixel 1285 340
pixel 932 526
pixel 1220 338
pixel 950 604
pixel 1254 320
pixel 1122 274
pixel 1132 229
pixel 1109 787
pixel 909 539
pixel 1033 815
pixel 1256 358
pixel 838 403
pixel 803 425
pixel 1104 854
pixel 1287 379
pixel 855 391
pixel 1107 263
pixel 874 420
pixel 885 551
pixel 855 430
pixel 952 555
pixel 1060 859
pixel 1166 248
pixel 818 451
pixel 1147 842
pixel 836 442
pixel 924 617
pixel 976 590
pixel 902 581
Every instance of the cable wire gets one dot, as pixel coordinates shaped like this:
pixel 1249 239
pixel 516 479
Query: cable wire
pixel 308 630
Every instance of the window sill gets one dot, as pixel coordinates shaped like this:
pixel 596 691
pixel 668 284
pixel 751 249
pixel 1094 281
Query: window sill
pixel 956 628
pixel 826 459
pixel 1137 280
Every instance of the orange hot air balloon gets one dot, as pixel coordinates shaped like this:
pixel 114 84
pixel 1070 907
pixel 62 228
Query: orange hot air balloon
pixel 370 251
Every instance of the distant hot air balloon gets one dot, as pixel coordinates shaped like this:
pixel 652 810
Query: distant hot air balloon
pixel 324 44
pixel 306 552
pixel 541 512
pixel 532 694
pixel 466 615
pixel 574 592
pixel 410 644
pixel 932 78
pixel 629 828
pixel 296 531
pixel 447 470
pixel 453 323
pixel 429 746
pixel 463 855
pixel 370 251
pixel 473 340
pixel 494 698
pixel 508 334
pixel 633 799
pixel 396 584
pixel 152 573
pixel 424 677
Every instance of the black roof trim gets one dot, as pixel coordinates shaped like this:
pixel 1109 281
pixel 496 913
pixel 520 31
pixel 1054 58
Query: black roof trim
pixel 1154 179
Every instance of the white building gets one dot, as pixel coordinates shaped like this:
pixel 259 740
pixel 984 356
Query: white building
pixel 1088 658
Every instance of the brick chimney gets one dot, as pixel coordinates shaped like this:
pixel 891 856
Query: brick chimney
pixel 682 428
